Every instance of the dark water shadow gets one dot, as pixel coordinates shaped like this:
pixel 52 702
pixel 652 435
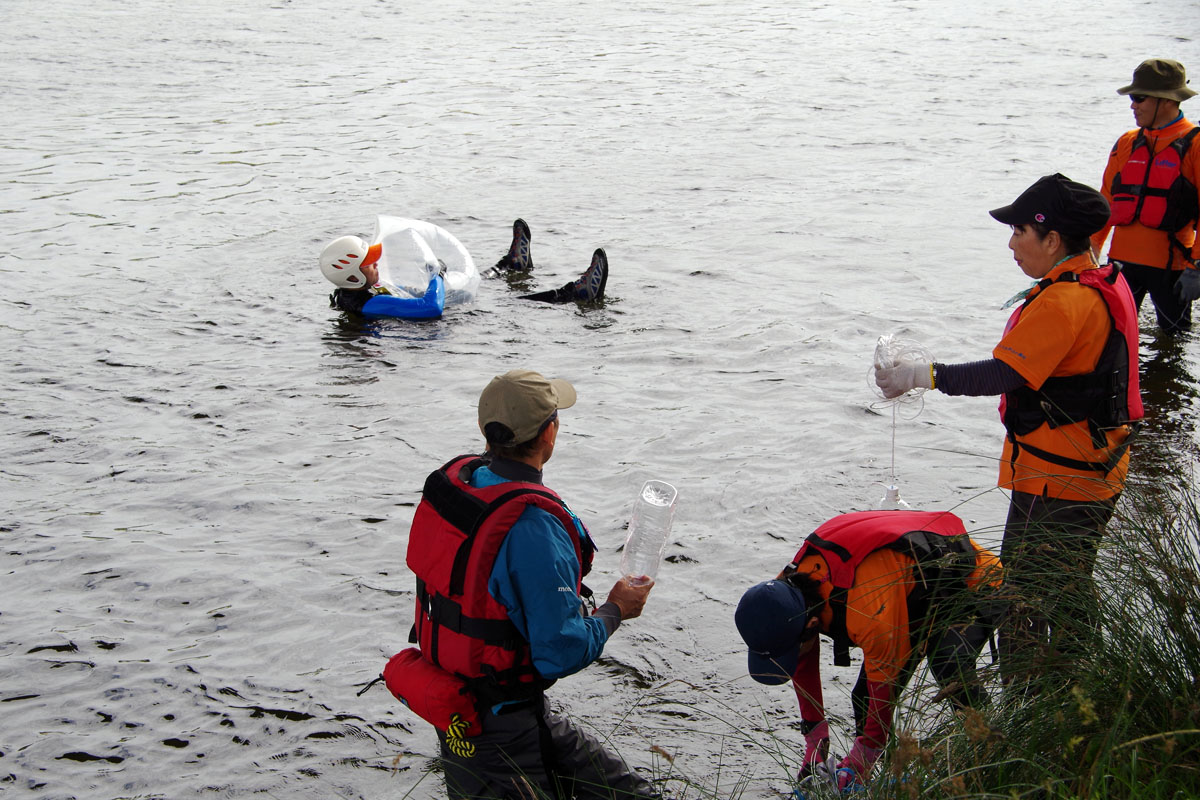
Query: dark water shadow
pixel 1166 446
pixel 350 331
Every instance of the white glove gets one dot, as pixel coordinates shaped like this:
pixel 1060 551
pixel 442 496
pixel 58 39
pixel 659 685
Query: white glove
pixel 903 376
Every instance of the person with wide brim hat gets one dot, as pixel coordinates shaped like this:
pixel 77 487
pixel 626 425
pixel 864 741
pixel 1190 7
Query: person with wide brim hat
pixel 1152 182
pixel 1161 78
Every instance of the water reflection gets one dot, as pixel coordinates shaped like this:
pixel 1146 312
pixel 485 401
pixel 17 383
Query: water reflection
pixel 1166 447
pixel 349 330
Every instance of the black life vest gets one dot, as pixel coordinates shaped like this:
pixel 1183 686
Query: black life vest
pixel 1107 397
pixel 936 540
pixel 456 533
pixel 1150 187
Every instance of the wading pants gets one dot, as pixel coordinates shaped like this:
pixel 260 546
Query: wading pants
pixel 1174 315
pixel 1049 552
pixel 529 752
pixel 950 628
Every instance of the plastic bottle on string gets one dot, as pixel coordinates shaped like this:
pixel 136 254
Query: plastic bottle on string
pixel 891 500
pixel 891 350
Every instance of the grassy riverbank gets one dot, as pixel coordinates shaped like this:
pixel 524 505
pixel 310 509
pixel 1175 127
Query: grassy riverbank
pixel 1121 719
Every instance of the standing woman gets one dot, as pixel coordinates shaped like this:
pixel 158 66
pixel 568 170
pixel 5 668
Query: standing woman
pixel 1067 371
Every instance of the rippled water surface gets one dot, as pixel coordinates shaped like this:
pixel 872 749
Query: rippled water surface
pixel 208 475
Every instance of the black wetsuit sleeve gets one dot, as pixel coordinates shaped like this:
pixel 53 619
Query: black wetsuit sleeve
pixel 351 300
pixel 977 378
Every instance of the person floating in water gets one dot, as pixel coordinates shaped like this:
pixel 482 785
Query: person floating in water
pixel 414 268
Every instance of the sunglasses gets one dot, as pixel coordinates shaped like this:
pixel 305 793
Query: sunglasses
pixel 1139 98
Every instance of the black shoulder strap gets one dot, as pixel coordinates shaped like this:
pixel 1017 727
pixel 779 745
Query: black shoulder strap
pixel 466 512
pixel 832 547
pixel 837 628
pixel 1184 142
pixel 837 604
pixel 452 504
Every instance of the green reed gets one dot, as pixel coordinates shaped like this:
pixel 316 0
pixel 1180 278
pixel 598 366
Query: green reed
pixel 1118 715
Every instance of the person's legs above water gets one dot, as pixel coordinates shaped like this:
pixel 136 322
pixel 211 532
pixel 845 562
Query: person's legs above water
pixel 952 658
pixel 858 701
pixel 1172 314
pixel 1137 276
pixel 588 287
pixel 519 257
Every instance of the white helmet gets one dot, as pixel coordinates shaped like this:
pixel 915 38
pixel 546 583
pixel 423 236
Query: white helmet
pixel 342 261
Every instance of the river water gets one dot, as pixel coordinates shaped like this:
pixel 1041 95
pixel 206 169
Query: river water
pixel 208 475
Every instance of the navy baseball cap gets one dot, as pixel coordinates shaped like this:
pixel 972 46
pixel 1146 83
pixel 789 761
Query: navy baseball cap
pixel 770 617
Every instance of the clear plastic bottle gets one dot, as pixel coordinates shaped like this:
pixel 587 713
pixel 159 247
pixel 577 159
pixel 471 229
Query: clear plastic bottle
pixel 649 528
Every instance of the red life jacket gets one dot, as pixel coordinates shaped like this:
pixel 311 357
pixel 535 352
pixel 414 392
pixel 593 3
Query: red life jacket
pixel 1150 187
pixel 844 541
pixel 456 533
pixel 1107 397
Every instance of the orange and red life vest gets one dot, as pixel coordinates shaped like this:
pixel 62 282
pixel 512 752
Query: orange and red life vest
pixel 847 539
pixel 1107 397
pixel 1150 187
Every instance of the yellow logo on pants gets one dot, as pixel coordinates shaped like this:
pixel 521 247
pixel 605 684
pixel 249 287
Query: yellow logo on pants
pixel 455 740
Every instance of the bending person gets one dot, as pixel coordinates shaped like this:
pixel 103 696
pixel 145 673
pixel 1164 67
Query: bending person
pixel 902 585
pixel 1067 370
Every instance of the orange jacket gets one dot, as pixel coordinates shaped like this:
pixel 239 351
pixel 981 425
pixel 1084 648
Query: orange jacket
pixel 877 622
pixel 1135 242
pixel 1062 334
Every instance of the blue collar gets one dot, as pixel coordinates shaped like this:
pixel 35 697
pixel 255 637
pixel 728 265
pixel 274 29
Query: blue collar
pixel 1172 122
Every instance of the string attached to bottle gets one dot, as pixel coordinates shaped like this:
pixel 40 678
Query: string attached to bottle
pixel 892 351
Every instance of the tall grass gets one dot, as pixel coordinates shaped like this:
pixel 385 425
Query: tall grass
pixel 1121 718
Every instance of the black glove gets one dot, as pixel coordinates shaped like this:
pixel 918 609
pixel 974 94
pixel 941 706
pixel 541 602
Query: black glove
pixel 1187 288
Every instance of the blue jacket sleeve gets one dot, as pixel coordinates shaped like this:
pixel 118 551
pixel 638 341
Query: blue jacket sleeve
pixel 534 577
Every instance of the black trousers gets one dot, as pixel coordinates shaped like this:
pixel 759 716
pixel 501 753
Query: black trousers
pixel 1049 552
pixel 950 629
pixel 563 294
pixel 533 752
pixel 1174 315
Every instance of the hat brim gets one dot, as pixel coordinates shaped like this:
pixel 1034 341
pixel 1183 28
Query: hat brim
pixel 1178 95
pixel 1008 215
pixel 772 669
pixel 564 391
